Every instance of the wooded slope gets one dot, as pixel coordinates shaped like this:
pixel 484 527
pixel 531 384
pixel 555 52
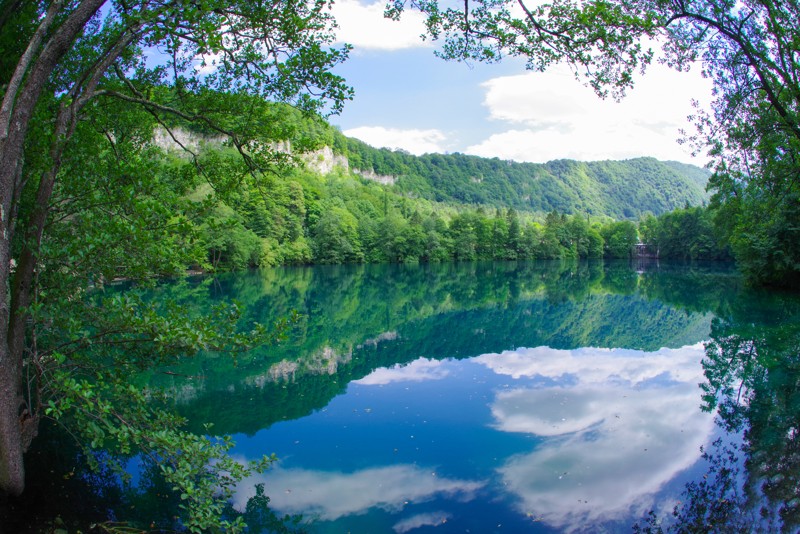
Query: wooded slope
pixel 619 189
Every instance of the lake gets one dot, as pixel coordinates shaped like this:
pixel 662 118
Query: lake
pixel 500 397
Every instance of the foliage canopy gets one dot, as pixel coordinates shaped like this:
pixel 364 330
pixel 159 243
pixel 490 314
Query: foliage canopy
pixel 85 197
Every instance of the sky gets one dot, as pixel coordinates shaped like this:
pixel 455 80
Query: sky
pixel 406 98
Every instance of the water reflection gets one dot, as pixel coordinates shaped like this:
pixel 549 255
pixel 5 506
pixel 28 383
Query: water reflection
pixel 621 425
pixel 416 371
pixel 359 319
pixel 406 399
pixel 330 495
pixel 421 520
pixel 752 383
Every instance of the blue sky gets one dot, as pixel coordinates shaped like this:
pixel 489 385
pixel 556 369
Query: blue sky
pixel 407 98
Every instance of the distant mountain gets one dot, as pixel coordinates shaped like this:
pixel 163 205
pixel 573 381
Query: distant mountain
pixel 352 203
pixel 698 174
pixel 619 189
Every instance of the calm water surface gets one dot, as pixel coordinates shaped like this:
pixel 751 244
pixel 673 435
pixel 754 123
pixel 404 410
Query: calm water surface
pixel 501 397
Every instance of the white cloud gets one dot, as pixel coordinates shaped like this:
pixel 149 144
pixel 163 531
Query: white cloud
pixel 365 27
pixel 330 495
pixel 622 425
pixel 417 371
pixel 417 142
pixel 551 116
pixel 206 63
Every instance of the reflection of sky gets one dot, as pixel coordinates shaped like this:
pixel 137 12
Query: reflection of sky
pixel 421 520
pixel 598 365
pixel 416 371
pixel 621 428
pixel 331 495
pixel 534 438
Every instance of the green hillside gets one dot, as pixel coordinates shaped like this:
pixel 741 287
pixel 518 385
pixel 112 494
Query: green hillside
pixel 618 189
pixel 352 203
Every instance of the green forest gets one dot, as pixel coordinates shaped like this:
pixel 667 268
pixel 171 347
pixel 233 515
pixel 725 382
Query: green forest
pixel 618 189
pixel 375 205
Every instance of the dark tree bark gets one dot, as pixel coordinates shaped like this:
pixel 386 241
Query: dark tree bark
pixel 17 426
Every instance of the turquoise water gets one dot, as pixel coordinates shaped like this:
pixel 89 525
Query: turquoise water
pixel 505 397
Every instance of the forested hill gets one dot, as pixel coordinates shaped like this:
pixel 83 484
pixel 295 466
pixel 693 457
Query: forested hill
pixel 619 189
pixel 624 189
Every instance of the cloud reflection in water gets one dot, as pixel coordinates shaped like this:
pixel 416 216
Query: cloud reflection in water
pixel 421 520
pixel 419 370
pixel 620 425
pixel 329 495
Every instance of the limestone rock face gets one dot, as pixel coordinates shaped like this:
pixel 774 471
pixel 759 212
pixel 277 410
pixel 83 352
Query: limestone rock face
pixel 178 139
pixel 322 161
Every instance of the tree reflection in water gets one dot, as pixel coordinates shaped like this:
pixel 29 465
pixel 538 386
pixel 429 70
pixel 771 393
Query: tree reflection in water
pixel 752 370
pixel 357 320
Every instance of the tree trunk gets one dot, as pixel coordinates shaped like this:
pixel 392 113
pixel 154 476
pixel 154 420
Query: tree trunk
pixel 12 472
pixel 15 420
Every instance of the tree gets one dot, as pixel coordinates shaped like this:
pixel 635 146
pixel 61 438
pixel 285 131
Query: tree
pixel 463 237
pixel 619 237
pixel 64 65
pixel 335 237
pixel 648 228
pixel 748 49
pixel 514 240
pixel 686 233
pixel 436 245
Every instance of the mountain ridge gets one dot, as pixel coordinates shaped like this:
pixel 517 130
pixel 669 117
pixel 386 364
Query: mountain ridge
pixel 618 189
pixel 621 189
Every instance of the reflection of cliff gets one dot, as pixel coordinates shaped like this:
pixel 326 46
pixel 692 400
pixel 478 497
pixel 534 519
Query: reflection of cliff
pixel 358 319
pixel 322 362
